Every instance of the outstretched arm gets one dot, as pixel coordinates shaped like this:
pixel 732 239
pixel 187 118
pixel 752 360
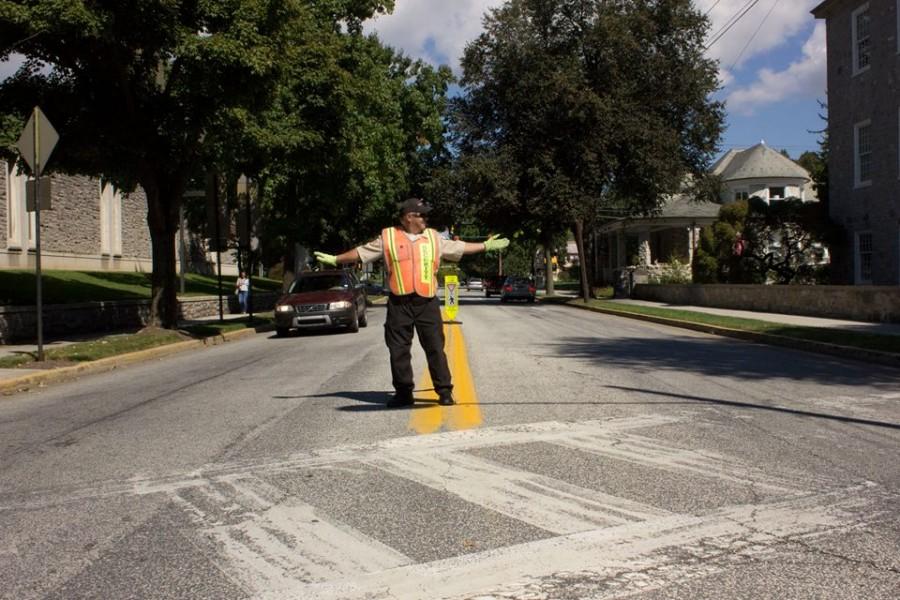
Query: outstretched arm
pixel 489 245
pixel 348 257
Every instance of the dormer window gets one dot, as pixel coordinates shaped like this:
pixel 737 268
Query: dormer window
pixel 862 42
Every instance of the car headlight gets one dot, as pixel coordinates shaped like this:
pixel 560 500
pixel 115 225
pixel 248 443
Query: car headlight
pixel 339 305
pixel 284 308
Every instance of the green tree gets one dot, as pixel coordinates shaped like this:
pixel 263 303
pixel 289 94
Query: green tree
pixel 359 130
pixel 786 240
pixel 140 91
pixel 571 106
pixel 718 258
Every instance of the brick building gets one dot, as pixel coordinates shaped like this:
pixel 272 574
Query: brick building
pixel 863 49
pixel 91 227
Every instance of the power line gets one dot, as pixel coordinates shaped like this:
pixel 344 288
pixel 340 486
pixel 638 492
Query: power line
pixel 761 23
pixel 734 21
pixel 709 10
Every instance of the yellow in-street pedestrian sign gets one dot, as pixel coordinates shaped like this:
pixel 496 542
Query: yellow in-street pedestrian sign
pixel 451 296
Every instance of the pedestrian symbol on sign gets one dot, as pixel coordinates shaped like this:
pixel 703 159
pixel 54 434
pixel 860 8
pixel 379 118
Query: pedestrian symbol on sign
pixel 451 296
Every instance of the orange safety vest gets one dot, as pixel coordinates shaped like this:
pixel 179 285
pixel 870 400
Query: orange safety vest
pixel 412 266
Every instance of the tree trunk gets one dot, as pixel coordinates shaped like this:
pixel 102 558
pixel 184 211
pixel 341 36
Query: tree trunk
pixel 162 218
pixel 548 268
pixel 582 263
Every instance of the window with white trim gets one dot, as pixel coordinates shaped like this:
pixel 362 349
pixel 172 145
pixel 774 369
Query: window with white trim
pixel 862 153
pixel 776 192
pixel 864 257
pixel 20 224
pixel 862 41
pixel 110 220
pixel 741 195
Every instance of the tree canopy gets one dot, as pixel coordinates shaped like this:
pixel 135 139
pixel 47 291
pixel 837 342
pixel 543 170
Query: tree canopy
pixel 571 107
pixel 334 124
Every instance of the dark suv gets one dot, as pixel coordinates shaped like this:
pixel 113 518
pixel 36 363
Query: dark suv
pixel 493 284
pixel 333 298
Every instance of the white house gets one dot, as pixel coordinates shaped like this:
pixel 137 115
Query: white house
pixel 762 172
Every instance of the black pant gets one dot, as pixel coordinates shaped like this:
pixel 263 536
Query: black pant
pixel 404 313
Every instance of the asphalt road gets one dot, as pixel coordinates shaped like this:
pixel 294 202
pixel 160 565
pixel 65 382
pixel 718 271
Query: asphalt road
pixel 590 457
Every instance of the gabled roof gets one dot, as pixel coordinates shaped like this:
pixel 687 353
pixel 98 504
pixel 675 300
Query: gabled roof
pixel 758 162
pixel 680 206
pixel 677 210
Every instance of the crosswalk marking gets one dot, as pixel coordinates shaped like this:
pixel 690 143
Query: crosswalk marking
pixel 601 552
pixel 276 541
pixel 547 503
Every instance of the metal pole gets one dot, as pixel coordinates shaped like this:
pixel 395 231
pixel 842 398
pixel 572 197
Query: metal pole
pixel 37 237
pixel 249 262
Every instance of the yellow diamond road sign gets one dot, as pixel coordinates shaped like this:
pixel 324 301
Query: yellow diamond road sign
pixel 451 296
pixel 37 141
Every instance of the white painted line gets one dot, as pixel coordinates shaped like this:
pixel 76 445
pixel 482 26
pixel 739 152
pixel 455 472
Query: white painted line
pixel 630 547
pixel 541 501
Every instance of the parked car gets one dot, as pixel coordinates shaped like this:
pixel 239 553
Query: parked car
pixel 518 288
pixel 374 289
pixel 474 283
pixel 492 284
pixel 322 299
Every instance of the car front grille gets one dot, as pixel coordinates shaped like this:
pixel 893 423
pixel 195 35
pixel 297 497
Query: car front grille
pixel 311 308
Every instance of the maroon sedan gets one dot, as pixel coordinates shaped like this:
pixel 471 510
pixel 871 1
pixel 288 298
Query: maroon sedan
pixel 322 299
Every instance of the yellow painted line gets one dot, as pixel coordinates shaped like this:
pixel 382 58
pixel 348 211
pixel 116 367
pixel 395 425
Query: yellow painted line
pixel 466 414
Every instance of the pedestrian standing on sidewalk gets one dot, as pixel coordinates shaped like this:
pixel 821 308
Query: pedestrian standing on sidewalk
pixel 412 254
pixel 242 288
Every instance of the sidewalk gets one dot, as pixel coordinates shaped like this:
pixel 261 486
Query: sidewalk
pixel 7 375
pixel 841 324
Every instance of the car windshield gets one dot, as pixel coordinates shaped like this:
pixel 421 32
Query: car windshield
pixel 319 284
pixel 517 281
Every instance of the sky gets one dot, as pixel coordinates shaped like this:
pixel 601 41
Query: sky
pixel 771 60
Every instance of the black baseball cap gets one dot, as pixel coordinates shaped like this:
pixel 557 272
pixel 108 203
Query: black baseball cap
pixel 414 205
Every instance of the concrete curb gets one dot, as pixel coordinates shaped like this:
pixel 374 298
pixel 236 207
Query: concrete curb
pixel 40 379
pixel 870 356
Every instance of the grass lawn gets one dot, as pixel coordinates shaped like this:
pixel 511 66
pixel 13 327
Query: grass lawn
pixel 866 341
pixel 123 343
pixel 18 287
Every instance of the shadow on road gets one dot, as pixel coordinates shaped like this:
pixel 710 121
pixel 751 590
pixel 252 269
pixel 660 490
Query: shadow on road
pixel 724 357
pixel 373 400
pixel 750 405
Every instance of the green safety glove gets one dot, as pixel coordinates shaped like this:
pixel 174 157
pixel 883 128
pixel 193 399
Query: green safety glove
pixel 495 243
pixel 326 259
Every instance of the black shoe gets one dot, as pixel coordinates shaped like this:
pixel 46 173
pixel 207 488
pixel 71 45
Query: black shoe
pixel 401 399
pixel 446 400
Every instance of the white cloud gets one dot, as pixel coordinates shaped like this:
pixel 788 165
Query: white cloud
pixel 767 25
pixel 802 78
pixel 9 66
pixel 433 30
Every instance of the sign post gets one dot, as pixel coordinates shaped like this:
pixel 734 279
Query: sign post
pixel 451 297
pixel 37 141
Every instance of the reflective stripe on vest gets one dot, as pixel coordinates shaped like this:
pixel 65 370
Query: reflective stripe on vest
pixel 411 266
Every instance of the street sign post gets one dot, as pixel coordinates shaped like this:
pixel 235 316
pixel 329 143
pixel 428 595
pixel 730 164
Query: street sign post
pixel 451 296
pixel 36 143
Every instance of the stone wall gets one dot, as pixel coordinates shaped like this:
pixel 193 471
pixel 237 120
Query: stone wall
pixel 135 232
pixel 73 224
pixel 859 303
pixel 18 323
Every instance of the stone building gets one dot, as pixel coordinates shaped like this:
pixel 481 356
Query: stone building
pixel 91 227
pixel 863 51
